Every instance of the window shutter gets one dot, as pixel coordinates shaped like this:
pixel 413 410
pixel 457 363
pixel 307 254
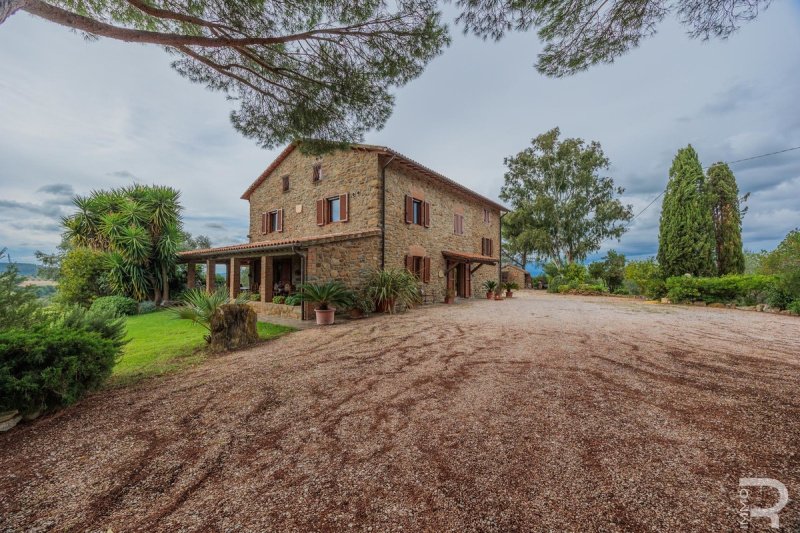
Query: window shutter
pixel 483 246
pixel 455 224
pixel 317 173
pixel 490 247
pixel 409 209
pixel 426 211
pixel 263 222
pixel 410 263
pixel 280 220
pixel 426 269
pixel 461 224
pixel 285 183
pixel 344 208
pixel 320 212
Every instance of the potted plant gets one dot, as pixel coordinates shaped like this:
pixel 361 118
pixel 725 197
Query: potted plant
pixel 450 297
pixel 326 297
pixel 362 305
pixel 393 287
pixel 489 286
pixel 510 287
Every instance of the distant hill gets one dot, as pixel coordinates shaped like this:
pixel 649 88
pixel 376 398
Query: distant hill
pixel 25 269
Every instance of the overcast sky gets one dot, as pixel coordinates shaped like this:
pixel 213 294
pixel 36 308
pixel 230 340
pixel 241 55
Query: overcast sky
pixel 78 115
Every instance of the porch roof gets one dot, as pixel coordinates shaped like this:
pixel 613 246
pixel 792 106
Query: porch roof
pixel 469 258
pixel 256 248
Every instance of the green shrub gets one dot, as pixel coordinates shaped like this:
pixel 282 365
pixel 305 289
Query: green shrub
pixel 119 305
pixel 19 307
pixel 83 277
pixel 741 289
pixel 555 283
pixel 104 322
pixel 574 272
pixel 255 297
pixel 794 307
pixel 293 299
pixel 393 288
pixel 147 306
pixel 49 367
pixel 644 278
pixel 278 299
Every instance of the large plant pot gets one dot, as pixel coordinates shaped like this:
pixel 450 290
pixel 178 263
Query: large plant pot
pixel 325 316
pixel 356 312
pixel 509 294
pixel 489 295
pixel 385 306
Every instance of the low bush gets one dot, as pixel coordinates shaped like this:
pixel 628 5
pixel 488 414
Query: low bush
pixel 147 307
pixel 119 305
pixel 294 299
pixel 741 289
pixel 278 299
pixel 794 307
pixel 585 289
pixel 644 278
pixel 52 366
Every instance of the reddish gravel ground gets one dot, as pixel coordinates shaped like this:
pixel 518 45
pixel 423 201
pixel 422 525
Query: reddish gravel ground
pixel 540 413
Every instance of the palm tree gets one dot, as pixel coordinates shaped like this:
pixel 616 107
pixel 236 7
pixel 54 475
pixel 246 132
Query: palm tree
pixel 140 229
pixel 199 306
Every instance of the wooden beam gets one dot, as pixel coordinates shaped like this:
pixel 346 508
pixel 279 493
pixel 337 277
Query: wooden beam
pixel 211 276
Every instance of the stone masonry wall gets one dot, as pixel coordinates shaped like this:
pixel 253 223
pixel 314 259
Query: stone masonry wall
pixel 348 261
pixel 344 171
pixel 410 239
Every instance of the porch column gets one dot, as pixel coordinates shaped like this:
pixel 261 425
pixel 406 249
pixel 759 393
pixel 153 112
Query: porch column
pixel 266 279
pixel 211 275
pixel 190 274
pixel 234 277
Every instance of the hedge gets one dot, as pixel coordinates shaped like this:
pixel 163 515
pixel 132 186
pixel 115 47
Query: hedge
pixel 119 305
pixel 743 289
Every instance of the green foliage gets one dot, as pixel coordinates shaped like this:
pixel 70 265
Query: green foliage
pixel 490 285
pixel 645 278
pixel 393 287
pixel 727 217
pixel 146 307
pixel 563 209
pixel 578 33
pixel 139 229
pixel 742 289
pixel 116 305
pixel 753 260
pixel 293 299
pixel 19 307
pixel 784 262
pixel 83 277
pixel 278 299
pixel 611 269
pixel 586 289
pixel 574 272
pixel 331 294
pixel 686 234
pixel 511 286
pixel 199 306
pixel 794 307
pixel 49 367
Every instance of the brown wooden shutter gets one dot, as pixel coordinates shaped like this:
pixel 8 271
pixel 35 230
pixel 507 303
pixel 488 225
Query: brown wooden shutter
pixel 263 222
pixel 455 224
pixel 285 180
pixel 321 212
pixel 410 263
pixel 483 246
pixel 280 221
pixel 317 172
pixel 489 247
pixel 409 209
pixel 451 276
pixel 344 208
pixel 426 210
pixel 426 269
pixel 461 224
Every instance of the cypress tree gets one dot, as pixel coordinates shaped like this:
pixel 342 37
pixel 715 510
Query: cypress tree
pixel 727 219
pixel 686 231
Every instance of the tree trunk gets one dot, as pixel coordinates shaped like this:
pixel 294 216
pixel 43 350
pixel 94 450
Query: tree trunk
pixel 165 281
pixel 233 326
pixel 9 7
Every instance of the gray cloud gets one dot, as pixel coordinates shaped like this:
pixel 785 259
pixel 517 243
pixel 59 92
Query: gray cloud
pixel 124 174
pixel 215 225
pixel 58 189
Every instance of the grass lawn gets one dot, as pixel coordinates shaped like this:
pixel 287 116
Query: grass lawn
pixel 160 343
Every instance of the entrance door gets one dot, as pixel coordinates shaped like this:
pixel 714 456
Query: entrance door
pixel 283 271
pixel 462 281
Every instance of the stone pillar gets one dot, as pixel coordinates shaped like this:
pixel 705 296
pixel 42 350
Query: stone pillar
pixel 266 279
pixel 234 280
pixel 190 274
pixel 211 275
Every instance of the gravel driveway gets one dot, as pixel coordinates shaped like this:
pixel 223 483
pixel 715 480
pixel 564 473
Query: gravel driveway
pixel 538 413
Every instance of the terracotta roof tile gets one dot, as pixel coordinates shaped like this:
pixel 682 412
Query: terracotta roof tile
pixel 478 258
pixel 269 245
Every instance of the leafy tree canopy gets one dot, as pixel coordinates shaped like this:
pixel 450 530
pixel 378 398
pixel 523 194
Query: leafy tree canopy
pixel 727 217
pixel 563 208
pixel 324 70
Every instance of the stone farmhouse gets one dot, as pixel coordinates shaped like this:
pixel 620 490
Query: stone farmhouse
pixel 344 214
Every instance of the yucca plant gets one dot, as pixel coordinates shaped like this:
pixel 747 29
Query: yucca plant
pixel 391 287
pixel 331 294
pixel 199 306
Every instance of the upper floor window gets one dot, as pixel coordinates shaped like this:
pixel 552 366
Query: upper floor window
pixel 285 183
pixel 487 247
pixel 487 219
pixel 418 211
pixel 420 267
pixel 458 224
pixel 272 221
pixel 333 209
pixel 317 172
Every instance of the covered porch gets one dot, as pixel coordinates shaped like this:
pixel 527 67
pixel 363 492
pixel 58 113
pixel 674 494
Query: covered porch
pixel 460 268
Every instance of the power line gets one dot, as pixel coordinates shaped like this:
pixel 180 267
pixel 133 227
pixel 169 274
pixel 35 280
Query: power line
pixel 705 168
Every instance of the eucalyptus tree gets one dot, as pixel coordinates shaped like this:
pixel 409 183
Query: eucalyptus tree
pixel 563 209
pixel 140 229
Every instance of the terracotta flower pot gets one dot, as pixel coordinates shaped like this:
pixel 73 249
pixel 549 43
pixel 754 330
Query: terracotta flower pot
pixel 325 316
pixel 356 312
pixel 509 294
pixel 449 299
pixel 489 295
